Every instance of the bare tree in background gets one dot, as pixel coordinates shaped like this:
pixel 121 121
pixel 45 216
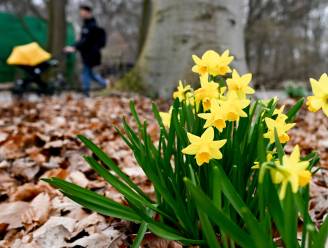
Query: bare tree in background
pixel 178 29
pixel 22 8
pixel 284 40
pixel 57 27
pixel 144 24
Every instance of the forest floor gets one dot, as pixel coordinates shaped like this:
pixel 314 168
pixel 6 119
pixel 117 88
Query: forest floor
pixel 38 139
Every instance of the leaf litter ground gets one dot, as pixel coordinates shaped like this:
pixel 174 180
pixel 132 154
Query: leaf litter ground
pixel 38 139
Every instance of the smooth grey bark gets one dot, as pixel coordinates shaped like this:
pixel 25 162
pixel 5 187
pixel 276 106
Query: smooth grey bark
pixel 181 28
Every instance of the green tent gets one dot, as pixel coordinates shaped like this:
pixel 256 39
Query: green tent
pixel 18 31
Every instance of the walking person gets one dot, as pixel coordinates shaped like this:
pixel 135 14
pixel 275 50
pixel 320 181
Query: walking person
pixel 92 40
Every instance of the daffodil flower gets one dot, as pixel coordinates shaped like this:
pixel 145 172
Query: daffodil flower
pixel 269 158
pixel 291 171
pixel 279 111
pixel 207 92
pixel 204 148
pixel 319 100
pixel 233 107
pixel 190 98
pixel 223 64
pixel 222 90
pixel 212 63
pixel 166 117
pixel 240 84
pixel 216 117
pixel 281 126
pixel 181 92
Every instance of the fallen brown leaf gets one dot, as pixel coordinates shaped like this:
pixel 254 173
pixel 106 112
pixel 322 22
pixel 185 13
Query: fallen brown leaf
pixel 11 213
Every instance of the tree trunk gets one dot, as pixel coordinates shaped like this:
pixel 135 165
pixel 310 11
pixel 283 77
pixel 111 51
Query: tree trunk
pixel 57 28
pixel 181 28
pixel 145 22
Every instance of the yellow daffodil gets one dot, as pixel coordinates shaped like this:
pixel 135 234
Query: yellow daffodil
pixel 221 93
pixel 281 126
pixel 207 92
pixel 181 92
pixel 225 60
pixel 292 171
pixel 233 107
pixel 240 84
pixel 190 98
pixel 216 117
pixel 256 165
pixel 166 117
pixel 279 111
pixel 204 148
pixel 269 157
pixel 212 63
pixel 319 100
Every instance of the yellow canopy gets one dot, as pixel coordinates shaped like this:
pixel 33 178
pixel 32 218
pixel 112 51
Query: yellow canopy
pixel 30 54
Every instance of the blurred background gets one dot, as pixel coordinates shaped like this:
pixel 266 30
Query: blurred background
pixel 149 48
pixel 150 42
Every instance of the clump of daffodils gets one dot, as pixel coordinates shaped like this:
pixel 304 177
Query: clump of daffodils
pixel 219 171
pixel 219 104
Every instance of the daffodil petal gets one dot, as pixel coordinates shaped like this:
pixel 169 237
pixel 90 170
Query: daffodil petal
pixel 191 149
pixel 208 134
pixel 193 138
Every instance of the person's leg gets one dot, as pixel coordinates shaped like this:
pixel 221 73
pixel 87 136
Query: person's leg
pixel 99 79
pixel 86 79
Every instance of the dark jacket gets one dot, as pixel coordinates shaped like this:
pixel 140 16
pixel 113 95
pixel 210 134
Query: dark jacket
pixel 87 45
